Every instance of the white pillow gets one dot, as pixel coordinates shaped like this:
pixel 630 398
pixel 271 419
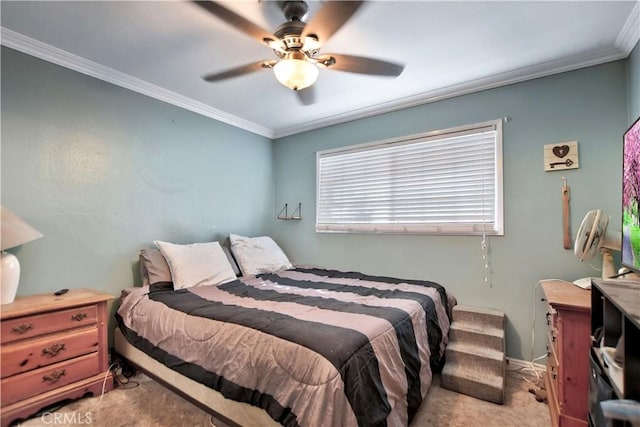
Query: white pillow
pixel 196 264
pixel 256 255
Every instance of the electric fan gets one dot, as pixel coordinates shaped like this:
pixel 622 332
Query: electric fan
pixel 593 237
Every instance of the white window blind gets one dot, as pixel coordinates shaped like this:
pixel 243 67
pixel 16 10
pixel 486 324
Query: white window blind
pixel 442 182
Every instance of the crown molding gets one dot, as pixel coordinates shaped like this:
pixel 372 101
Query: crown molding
pixel 630 33
pixel 68 60
pixel 562 65
pixel 625 42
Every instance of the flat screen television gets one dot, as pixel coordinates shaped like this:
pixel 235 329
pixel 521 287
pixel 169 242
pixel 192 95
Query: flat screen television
pixel 631 198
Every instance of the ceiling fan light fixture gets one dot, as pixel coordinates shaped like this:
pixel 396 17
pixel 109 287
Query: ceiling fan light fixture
pixel 296 73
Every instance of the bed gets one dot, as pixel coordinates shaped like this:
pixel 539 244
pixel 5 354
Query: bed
pixel 294 346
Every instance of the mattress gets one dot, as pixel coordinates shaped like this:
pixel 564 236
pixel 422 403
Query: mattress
pixel 307 346
pixel 232 413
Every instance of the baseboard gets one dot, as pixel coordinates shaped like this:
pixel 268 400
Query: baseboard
pixel 516 364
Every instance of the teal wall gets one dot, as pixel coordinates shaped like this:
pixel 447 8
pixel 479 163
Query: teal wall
pixel 634 84
pixel 102 171
pixel 588 105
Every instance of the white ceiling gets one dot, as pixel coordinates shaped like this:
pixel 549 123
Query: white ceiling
pixel 162 49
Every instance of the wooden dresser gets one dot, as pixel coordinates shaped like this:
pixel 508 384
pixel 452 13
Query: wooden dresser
pixel 568 343
pixel 52 348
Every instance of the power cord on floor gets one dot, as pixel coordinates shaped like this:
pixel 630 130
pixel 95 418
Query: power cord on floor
pixel 116 370
pixel 123 380
pixel 538 385
pixel 532 367
pixel 531 373
pixel 104 384
pixel 533 321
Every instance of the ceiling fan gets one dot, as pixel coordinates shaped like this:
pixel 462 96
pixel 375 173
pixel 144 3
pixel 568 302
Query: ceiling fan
pixel 297 45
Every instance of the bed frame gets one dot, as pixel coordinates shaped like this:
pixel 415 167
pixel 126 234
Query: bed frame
pixel 232 413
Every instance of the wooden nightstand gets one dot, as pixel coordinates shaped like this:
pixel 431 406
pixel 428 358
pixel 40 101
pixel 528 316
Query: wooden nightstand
pixel 569 339
pixel 52 348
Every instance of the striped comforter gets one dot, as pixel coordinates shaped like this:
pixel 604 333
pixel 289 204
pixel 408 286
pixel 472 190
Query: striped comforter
pixel 311 347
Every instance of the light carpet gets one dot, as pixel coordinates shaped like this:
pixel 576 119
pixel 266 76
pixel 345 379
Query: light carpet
pixel 151 405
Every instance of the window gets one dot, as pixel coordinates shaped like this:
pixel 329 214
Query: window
pixel 441 182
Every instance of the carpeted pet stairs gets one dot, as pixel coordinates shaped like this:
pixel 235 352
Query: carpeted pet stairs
pixel 475 356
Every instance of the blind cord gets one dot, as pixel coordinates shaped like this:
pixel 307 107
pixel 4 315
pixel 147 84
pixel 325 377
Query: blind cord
pixel 484 244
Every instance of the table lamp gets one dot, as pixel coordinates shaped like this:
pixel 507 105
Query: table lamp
pixel 14 232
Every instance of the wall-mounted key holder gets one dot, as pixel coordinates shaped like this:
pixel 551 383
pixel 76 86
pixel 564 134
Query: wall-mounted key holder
pixel 561 156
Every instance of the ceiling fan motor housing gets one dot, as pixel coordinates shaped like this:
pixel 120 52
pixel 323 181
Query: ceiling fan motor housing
pixel 289 35
pixel 294 10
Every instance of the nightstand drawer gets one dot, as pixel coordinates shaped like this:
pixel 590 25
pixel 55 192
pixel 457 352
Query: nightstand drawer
pixel 38 381
pixel 31 326
pixel 53 348
pixel 36 352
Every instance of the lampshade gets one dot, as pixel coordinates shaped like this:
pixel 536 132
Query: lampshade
pixel 14 232
pixel 295 72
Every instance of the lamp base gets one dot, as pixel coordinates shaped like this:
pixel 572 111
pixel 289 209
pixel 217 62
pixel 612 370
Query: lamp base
pixel 10 269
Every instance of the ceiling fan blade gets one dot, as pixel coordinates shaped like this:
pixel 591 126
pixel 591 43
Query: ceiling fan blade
pixel 329 18
pixel 360 64
pixel 237 21
pixel 239 71
pixel 306 96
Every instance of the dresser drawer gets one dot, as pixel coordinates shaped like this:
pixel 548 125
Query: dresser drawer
pixel 22 386
pixel 552 341
pixel 552 317
pixel 553 372
pixel 36 352
pixel 31 326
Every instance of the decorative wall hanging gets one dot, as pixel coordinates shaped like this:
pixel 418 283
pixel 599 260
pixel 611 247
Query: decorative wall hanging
pixel 284 214
pixel 561 156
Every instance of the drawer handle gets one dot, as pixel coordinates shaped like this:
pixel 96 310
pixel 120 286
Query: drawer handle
pixel 53 350
pixel 54 376
pixel 79 316
pixel 22 328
